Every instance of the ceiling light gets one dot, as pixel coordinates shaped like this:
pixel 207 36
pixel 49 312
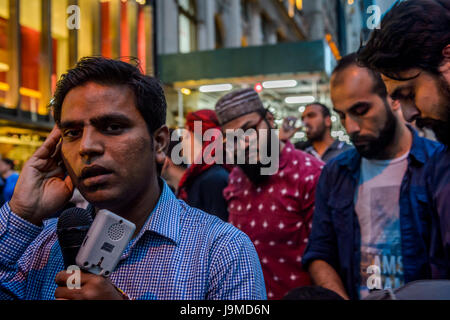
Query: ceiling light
pixel 185 91
pixel 216 88
pixel 300 99
pixel 279 84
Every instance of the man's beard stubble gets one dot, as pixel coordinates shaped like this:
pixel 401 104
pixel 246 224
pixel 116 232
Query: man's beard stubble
pixel 375 148
pixel 441 128
pixel 253 171
pixel 319 134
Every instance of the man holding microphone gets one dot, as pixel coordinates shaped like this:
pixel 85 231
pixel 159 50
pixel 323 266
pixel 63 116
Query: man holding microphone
pixel 111 138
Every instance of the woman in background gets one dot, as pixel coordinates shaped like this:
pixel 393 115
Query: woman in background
pixel 202 184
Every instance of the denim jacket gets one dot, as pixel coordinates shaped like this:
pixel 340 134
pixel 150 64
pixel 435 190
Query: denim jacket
pixel 335 236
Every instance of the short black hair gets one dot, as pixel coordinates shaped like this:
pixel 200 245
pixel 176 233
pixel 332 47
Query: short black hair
pixel 325 111
pixel 379 87
pixel 8 161
pixel 412 35
pixel 150 99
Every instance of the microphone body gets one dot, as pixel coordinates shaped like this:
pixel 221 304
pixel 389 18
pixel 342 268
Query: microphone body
pixel 72 228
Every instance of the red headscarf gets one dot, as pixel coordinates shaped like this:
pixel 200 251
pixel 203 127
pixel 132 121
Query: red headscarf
pixel 209 120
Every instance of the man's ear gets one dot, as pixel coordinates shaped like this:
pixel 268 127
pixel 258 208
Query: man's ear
pixel 444 68
pixel 161 138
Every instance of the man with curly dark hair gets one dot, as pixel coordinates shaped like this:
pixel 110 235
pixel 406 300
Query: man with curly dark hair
pixel 412 51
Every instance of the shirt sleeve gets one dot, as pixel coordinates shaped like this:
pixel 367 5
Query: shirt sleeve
pixel 16 235
pixel 322 240
pixel 236 272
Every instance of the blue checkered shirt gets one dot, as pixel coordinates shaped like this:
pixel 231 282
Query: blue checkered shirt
pixel 180 253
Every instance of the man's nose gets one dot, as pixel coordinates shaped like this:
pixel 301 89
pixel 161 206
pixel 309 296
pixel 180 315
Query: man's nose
pixel 91 143
pixel 410 111
pixel 351 126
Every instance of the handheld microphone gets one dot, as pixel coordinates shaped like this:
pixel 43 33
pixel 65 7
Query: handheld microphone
pixel 104 243
pixel 72 228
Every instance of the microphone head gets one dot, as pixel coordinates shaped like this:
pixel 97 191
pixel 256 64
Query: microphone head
pixel 72 227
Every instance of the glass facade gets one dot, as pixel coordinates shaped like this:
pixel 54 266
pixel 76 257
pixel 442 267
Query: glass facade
pixel 4 65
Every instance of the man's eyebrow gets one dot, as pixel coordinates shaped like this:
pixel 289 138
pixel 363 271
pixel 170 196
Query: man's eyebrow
pixel 70 124
pixel 108 118
pixel 359 104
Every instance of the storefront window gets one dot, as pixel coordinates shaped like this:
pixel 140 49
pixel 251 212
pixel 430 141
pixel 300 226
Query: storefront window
pixel 4 63
pixel 89 32
pixel 144 41
pixel 110 28
pixel 30 33
pixel 60 34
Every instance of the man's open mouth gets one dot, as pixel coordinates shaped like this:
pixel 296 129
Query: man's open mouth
pixel 95 175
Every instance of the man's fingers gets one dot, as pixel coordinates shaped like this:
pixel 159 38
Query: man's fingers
pixel 62 276
pixel 57 154
pixel 48 148
pixel 64 293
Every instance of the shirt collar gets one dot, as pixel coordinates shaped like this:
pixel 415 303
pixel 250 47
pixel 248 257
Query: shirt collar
pixel 350 159
pixel 335 145
pixel 164 220
pixel 417 151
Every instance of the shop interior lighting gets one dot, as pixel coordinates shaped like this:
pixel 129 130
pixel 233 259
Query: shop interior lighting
pixel 216 88
pixel 279 84
pixel 300 99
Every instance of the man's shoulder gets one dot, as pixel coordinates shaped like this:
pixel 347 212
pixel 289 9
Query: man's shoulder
pixel 340 165
pixel 345 146
pixel 343 158
pixel 207 227
pixel 427 146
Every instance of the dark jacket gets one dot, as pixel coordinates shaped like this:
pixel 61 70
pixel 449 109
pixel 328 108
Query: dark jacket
pixel 437 174
pixel 333 151
pixel 205 193
pixel 335 236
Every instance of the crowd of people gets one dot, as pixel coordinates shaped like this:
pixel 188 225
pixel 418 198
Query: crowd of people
pixel 335 221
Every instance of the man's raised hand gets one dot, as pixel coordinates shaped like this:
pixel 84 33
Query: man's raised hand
pixel 42 188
